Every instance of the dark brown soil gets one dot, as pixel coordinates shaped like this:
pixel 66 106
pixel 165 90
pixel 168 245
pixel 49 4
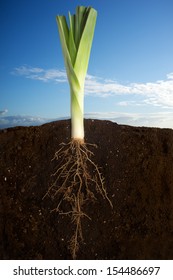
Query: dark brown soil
pixel 137 164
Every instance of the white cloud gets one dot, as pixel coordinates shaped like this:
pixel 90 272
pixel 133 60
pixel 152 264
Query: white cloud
pixel 170 76
pixel 12 121
pixel 3 112
pixel 128 103
pixel 40 74
pixel 158 93
pixel 160 119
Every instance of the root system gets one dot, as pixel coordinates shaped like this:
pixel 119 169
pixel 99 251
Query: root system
pixel 77 180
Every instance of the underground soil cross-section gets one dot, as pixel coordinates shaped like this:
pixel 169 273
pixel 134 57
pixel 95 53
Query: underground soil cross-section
pixel 136 163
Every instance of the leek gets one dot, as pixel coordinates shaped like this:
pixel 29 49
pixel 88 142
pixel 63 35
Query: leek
pixel 76 41
pixel 76 174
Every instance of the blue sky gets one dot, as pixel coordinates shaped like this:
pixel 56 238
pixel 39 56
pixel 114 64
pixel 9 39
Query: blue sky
pixel 130 74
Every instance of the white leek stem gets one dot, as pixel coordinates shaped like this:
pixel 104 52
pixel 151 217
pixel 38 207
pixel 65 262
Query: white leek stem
pixel 77 111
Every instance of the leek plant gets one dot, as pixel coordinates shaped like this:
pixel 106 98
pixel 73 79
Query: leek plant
pixel 77 177
pixel 76 40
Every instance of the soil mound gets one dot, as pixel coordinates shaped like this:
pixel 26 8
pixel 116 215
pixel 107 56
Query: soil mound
pixel 136 163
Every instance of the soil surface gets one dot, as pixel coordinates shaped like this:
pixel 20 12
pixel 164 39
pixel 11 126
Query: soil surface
pixel 137 164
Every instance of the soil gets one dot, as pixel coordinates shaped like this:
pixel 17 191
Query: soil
pixel 137 164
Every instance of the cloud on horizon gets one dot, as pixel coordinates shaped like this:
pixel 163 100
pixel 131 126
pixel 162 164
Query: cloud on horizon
pixel 158 93
pixel 3 112
pixel 161 119
pixel 13 121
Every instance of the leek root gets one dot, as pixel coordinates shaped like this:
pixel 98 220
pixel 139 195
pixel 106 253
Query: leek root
pixel 76 177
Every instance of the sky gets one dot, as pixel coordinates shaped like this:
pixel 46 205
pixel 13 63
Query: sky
pixel 130 73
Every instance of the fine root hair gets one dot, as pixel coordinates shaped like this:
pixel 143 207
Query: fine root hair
pixel 76 181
